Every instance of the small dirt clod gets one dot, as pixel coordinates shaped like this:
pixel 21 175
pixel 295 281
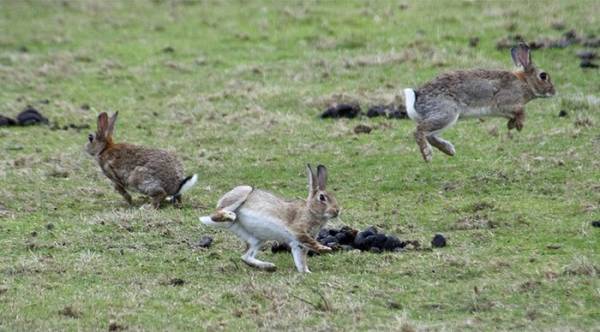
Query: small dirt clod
pixel 31 116
pixel 204 242
pixel 438 241
pixel 6 121
pixel 176 282
pixel 586 63
pixel 586 55
pixel 362 129
pixel 114 326
pixel 390 111
pixel 68 311
pixel 473 41
pixel 342 111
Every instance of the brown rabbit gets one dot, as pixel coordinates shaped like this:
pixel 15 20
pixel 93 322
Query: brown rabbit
pixel 438 104
pixel 153 172
pixel 256 216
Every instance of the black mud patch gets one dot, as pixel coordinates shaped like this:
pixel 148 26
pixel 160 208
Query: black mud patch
pixel 349 111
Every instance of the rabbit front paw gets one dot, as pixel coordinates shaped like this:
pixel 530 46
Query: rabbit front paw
pixel 323 248
pixel 516 121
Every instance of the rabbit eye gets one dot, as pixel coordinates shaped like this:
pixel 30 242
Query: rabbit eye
pixel 90 137
pixel 543 76
pixel 322 198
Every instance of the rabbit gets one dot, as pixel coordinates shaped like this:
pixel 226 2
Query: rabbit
pixel 438 104
pixel 256 216
pixel 153 172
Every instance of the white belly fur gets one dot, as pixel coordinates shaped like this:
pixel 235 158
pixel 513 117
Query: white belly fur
pixel 263 227
pixel 476 112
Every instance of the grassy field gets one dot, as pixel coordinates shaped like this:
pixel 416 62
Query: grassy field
pixel 235 89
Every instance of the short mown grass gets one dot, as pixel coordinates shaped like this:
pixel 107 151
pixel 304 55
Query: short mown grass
pixel 235 89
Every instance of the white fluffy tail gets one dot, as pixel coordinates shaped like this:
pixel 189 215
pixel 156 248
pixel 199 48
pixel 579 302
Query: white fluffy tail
pixel 209 222
pixel 187 184
pixel 410 98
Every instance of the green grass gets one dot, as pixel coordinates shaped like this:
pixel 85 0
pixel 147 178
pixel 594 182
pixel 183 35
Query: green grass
pixel 238 101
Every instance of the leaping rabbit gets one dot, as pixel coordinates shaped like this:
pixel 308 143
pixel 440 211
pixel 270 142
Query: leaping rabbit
pixel 438 104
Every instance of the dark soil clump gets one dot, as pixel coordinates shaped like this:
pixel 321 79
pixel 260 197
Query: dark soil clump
pixel 349 111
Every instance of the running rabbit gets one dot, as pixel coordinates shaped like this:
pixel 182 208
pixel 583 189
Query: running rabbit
pixel 153 172
pixel 257 216
pixel 438 104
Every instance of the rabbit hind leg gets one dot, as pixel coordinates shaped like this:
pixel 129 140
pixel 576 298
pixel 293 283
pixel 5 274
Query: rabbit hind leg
pixel 254 245
pixel 441 144
pixel 428 130
pixel 142 179
pixel 158 195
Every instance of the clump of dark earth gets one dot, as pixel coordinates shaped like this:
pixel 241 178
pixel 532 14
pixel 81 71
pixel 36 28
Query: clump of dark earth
pixel 587 64
pixel 176 282
pixel 364 239
pixel 592 42
pixel 77 127
pixel 390 111
pixel 562 113
pixel 68 311
pixel 58 173
pixel 509 41
pixel 204 242
pixel 346 238
pixel 362 129
pixel 50 226
pixel 473 41
pixel 31 116
pixel 392 243
pixel 168 49
pixel 567 39
pixel 586 55
pixel 346 235
pixel 113 326
pixel 596 223
pixel 438 241
pixel 558 26
pixel 349 111
pixel 85 107
pixel 6 121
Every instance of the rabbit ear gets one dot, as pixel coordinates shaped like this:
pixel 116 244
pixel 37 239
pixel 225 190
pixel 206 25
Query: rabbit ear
pixel 521 56
pixel 312 180
pixel 321 177
pixel 111 124
pixel 102 124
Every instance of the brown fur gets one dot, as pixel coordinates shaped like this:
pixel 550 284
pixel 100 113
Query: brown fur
pixel 153 172
pixel 475 93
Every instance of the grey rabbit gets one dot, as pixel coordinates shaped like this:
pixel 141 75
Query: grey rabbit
pixel 438 104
